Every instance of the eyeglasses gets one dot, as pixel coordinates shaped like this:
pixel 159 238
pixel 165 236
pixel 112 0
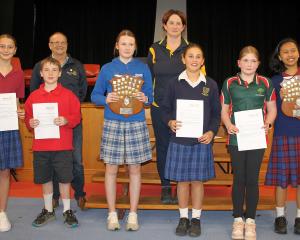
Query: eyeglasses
pixel 59 43
pixel 8 47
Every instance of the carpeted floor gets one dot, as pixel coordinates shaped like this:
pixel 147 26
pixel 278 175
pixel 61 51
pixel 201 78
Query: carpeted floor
pixel 26 202
pixel 216 225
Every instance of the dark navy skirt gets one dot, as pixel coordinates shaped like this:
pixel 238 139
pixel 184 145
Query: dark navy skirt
pixel 189 162
pixel 11 155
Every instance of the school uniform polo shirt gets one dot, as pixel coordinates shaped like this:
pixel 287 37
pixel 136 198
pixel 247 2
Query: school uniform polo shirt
pixel 165 66
pixel 68 107
pixel 284 125
pixel 240 96
pixel 72 77
pixel 13 82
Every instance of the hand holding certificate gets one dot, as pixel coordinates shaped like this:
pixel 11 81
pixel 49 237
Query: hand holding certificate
pixel 251 133
pixel 8 112
pixel 45 113
pixel 190 114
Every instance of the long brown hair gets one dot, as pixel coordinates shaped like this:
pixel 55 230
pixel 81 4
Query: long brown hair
pixel 124 32
pixel 192 45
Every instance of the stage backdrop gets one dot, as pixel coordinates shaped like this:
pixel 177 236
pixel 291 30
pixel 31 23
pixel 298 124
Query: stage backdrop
pixel 222 28
pixel 91 27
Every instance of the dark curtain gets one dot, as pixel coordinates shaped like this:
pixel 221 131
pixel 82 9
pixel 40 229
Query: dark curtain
pixel 223 29
pixel 6 16
pixel 23 30
pixel 91 27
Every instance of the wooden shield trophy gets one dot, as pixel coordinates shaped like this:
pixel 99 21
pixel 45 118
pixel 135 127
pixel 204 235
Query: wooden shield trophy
pixel 126 86
pixel 291 101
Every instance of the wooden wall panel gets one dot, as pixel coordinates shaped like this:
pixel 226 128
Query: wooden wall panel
pixel 92 118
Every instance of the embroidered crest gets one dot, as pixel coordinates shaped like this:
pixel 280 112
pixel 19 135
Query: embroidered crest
pixel 72 72
pixel 141 75
pixel 260 91
pixel 205 91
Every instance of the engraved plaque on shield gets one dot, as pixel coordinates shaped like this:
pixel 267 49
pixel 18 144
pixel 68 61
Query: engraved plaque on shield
pixel 126 86
pixel 291 101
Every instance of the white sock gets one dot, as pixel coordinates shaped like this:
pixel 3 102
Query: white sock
pixel 238 219
pixel 250 220
pixel 298 213
pixel 279 211
pixel 184 212
pixel 132 217
pixel 132 213
pixel 196 213
pixel 48 202
pixel 66 203
pixel 112 214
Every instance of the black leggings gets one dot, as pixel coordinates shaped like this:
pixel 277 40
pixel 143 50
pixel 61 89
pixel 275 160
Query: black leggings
pixel 245 166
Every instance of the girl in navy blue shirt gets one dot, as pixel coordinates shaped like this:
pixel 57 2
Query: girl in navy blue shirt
pixel 284 163
pixel 190 160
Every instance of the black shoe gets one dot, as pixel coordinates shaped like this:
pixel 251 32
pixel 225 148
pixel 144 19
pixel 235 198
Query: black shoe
pixel 175 198
pixel 280 225
pixel 81 203
pixel 297 226
pixel 195 228
pixel 70 219
pixel 182 227
pixel 43 218
pixel 55 203
pixel 166 195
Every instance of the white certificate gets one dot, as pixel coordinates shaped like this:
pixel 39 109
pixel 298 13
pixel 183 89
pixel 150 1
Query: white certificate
pixel 8 112
pixel 190 113
pixel 45 113
pixel 251 132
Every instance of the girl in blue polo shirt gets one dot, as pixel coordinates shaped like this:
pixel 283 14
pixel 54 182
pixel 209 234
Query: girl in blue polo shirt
pixel 190 160
pixel 125 140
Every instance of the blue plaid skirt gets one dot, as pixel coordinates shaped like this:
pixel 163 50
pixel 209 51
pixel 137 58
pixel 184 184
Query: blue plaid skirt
pixel 11 155
pixel 125 142
pixel 189 162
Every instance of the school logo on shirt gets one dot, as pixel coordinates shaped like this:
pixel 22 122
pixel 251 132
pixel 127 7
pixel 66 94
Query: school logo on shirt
pixel 205 91
pixel 141 75
pixel 72 72
pixel 260 92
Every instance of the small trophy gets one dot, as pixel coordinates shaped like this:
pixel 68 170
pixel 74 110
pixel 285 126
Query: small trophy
pixel 291 101
pixel 126 86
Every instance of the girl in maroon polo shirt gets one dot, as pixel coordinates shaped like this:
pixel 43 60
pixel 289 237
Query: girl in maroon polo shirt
pixel 11 81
